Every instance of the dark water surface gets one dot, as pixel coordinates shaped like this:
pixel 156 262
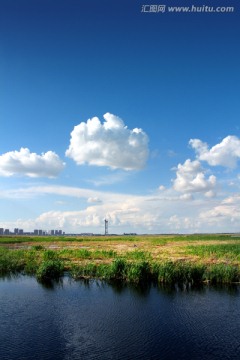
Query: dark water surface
pixel 77 320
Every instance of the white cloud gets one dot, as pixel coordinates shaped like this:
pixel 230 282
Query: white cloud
pixel 154 213
pixel 29 164
pixel 186 197
pixel 226 153
pixel 35 191
pixel 94 200
pixel 226 213
pixel 210 194
pixel 69 219
pixel 60 202
pixel 181 223
pixel 109 144
pixel 171 153
pixel 191 178
pixel 109 179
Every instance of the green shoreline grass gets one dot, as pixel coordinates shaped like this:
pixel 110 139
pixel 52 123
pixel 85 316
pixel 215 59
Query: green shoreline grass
pixel 137 259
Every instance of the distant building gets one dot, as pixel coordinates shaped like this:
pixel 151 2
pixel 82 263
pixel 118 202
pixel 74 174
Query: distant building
pixel 106 226
pixel 35 232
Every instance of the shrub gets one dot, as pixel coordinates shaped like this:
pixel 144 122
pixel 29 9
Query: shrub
pixel 222 273
pixel 38 247
pixel 50 255
pixel 138 272
pixel 49 270
pixel 31 262
pixel 11 261
pixel 118 269
pixel 178 272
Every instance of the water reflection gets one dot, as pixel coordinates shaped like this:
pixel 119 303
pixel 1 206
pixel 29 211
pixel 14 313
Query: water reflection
pixel 140 289
pixel 95 320
pixel 51 284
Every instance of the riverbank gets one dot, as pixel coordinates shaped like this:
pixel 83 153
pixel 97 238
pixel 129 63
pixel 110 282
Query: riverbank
pixel 135 259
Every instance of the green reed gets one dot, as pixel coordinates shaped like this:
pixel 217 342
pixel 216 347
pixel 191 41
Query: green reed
pixel 135 266
pixel 218 251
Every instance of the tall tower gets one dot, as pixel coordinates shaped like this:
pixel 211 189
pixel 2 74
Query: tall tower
pixel 106 226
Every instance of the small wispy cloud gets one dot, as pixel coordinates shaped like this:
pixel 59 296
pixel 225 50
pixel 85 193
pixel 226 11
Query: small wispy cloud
pixel 171 153
pixel 110 179
pixel 94 200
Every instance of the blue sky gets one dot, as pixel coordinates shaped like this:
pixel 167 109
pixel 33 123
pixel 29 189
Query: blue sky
pixel 120 114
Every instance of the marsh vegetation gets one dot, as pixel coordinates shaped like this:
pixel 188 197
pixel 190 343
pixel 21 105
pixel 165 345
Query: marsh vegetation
pixel 134 259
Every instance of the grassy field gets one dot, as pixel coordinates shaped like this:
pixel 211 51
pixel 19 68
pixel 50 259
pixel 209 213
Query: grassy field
pixel 166 258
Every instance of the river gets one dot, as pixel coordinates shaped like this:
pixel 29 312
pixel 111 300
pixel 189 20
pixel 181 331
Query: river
pixel 94 320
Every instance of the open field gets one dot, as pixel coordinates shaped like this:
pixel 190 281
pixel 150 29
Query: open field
pixel 162 258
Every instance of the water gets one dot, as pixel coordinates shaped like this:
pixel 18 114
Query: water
pixel 77 320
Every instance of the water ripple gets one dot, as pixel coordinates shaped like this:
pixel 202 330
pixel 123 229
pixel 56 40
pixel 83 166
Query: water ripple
pixel 96 321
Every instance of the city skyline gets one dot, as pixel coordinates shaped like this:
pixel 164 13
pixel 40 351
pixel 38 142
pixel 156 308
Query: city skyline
pixel 37 232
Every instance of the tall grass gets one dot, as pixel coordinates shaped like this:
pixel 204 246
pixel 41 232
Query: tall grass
pixel 219 251
pixel 178 272
pixel 45 265
pixel 169 272
pixel 11 239
pixel 49 270
pixel 222 274
pixel 10 262
pixel 138 255
pixel 87 254
pixel 139 272
pixel 118 270
pixel 31 261
pixel 134 266
pixel 83 271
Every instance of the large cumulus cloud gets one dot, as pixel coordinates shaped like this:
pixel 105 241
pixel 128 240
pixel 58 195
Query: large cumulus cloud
pixel 109 144
pixel 29 164
pixel 190 177
pixel 226 153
